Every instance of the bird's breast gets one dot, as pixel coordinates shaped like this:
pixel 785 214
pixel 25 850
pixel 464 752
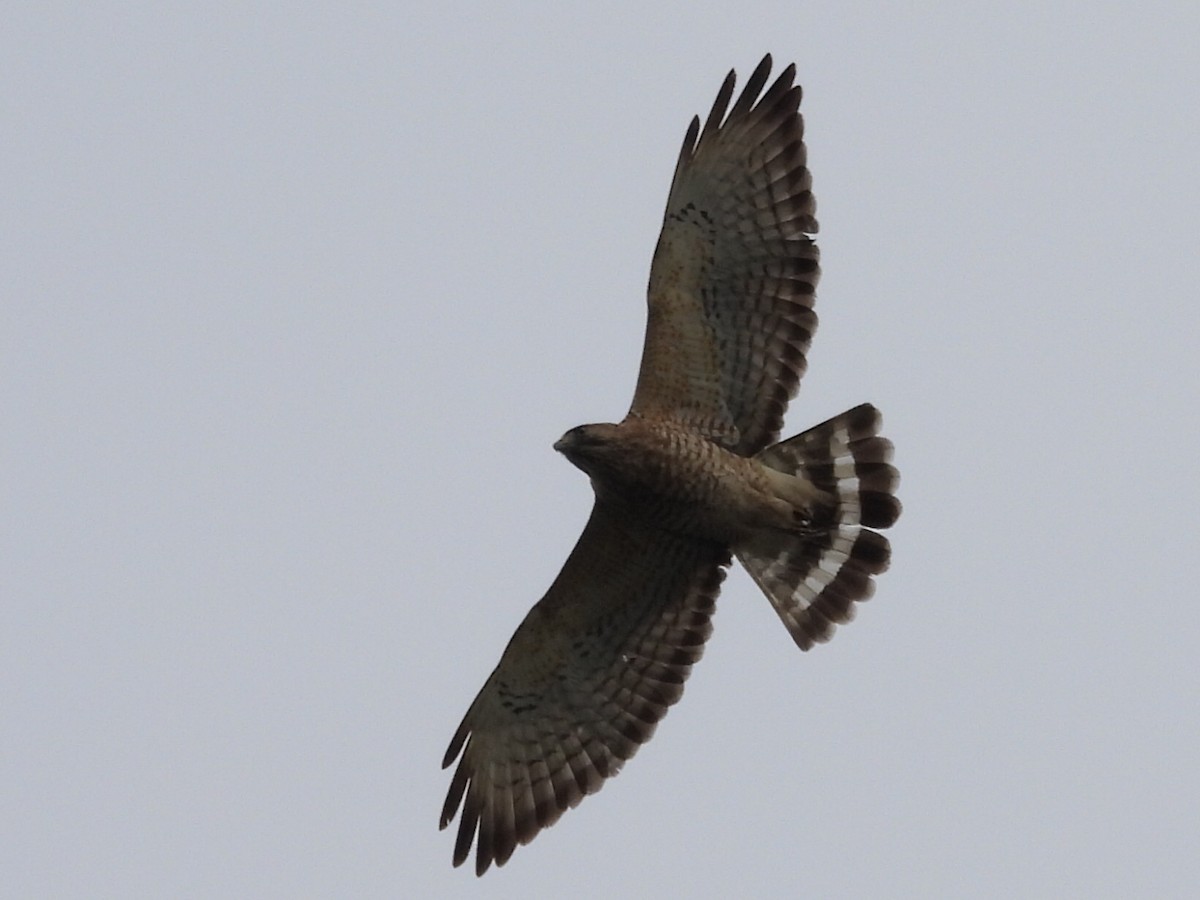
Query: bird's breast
pixel 688 484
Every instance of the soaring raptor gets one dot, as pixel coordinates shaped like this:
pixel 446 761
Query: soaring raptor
pixel 692 474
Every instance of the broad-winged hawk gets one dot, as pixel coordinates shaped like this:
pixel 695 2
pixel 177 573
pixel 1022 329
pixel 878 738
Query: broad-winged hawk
pixel 692 474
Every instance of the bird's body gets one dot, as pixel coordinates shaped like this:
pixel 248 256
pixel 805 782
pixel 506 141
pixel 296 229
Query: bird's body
pixel 685 483
pixel 691 477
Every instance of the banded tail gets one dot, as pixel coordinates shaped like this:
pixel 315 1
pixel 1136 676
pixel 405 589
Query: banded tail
pixel 813 578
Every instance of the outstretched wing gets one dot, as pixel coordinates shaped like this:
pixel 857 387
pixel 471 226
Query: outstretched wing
pixel 734 274
pixel 583 681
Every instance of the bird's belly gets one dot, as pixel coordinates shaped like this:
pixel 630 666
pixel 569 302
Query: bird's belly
pixel 691 486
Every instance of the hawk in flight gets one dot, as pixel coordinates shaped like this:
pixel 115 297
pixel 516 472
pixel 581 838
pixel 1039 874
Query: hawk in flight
pixel 693 474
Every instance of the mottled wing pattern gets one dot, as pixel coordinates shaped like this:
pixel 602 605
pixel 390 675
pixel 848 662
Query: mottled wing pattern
pixel 734 274
pixel 814 582
pixel 582 683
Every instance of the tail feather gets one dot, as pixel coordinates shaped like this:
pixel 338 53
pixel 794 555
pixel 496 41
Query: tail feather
pixel 814 577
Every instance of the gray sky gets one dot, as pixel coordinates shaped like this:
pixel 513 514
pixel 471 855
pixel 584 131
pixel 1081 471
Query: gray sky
pixel 295 303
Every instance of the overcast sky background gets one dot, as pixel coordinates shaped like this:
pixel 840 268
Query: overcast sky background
pixel 295 302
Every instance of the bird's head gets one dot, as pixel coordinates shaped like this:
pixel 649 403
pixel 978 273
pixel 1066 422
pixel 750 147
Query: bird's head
pixel 588 446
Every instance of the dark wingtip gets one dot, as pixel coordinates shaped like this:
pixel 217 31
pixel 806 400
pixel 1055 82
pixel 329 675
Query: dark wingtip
pixel 717 112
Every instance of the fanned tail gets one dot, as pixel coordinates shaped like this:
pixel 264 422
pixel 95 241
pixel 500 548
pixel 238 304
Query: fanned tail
pixel 814 577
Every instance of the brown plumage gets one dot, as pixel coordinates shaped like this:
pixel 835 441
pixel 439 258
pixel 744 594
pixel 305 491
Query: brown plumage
pixel 689 477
